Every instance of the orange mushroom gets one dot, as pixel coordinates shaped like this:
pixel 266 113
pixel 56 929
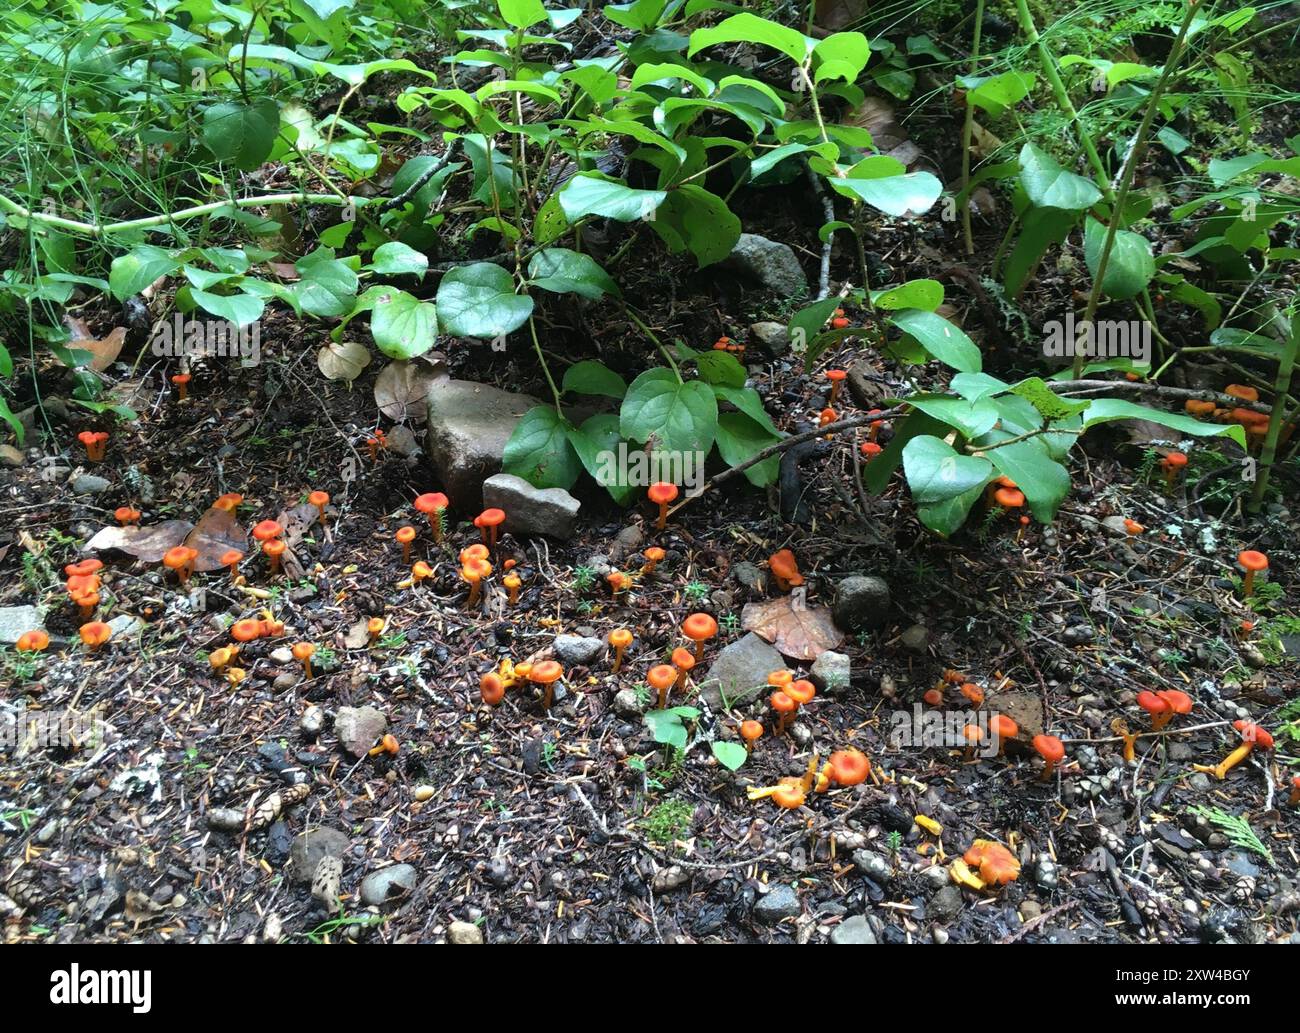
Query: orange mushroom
pixel 870 450
pixel 1177 701
pixel 683 659
pixel 973 693
pixel 1133 527
pixel 1171 464
pixel 1251 736
pixel 229 502
pixel 836 377
pixel 1295 791
pixel 36 641
pixel 826 417
pixel 433 504
pixel 662 493
pixel 801 691
pixel 1009 498
pixel 319 499
pixel 997 865
pixel 653 557
pixel 96 444
pixel 620 639
pixel 273 549
pixel 246 630
pixel 303 652
pixel 492 688
pixel 375 627
pixel 419 572
pixel 974 735
pixel 405 536
pixel 1003 729
pixel 785 708
pixel 751 732
pixel 512 583
pixel 789 794
pixel 267 530
pixel 180 558
pixel 546 673
pixel 1252 562
pixel 487 522
pixel 474 572
pixel 1052 750
pixel 94 634
pixel 85 568
pixel 1198 408
pixel 619 582
pixel 182 382
pixel 125 516
pixel 661 678
pixel 232 558
pixel 374 443
pixel 1242 391
pixel 849 767
pixel 785 569
pixel 699 628
pixel 934 697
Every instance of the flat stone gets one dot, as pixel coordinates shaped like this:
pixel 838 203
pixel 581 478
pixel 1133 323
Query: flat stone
pixel 861 603
pixel 740 672
pixel 771 263
pixel 10 456
pixel 832 672
pixel 578 650
pixel 530 511
pixel 464 932
pixel 309 847
pixel 1025 709
pixel 126 625
pixel 358 728
pixel 14 620
pixel 90 484
pixel 749 577
pixel 469 425
pixel 854 929
pixel 915 639
pixel 772 337
pixel 780 902
pixel 394 881
pixel 944 905
pixel 627 703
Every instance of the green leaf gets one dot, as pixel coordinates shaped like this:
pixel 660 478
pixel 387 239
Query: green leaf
pixel 590 377
pixel 841 55
pixel 1105 410
pixel 974 386
pixel 946 342
pixel 1050 186
pixel 692 218
pixel 1049 404
pixel 479 300
pixel 746 399
pixel 588 194
pixel 996 93
pixel 240 309
pixel 884 183
pixel 522 13
pixel 562 271
pixel 667 725
pixel 596 443
pixel 142 265
pixel 936 472
pixel 403 326
pixel 539 450
pixel 14 422
pixel 731 755
pixel 398 259
pixel 1130 266
pixel 720 367
pixel 1040 229
pixel 242 134
pixel 328 286
pixel 667 414
pixel 749 28
pixel 971 418
pixel 922 294
pixel 739 439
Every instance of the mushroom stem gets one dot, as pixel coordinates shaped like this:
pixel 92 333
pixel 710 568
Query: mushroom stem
pixel 306 668
pixel 1220 771
pixel 1248 584
pixel 618 659
pixel 474 592
pixel 663 516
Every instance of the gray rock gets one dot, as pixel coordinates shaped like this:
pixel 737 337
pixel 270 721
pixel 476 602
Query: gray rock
pixel 772 337
pixel 469 425
pixel 531 511
pixel 10 456
pixel 464 932
pixel 832 672
pixel 626 703
pixel 126 625
pixel 308 849
pixel 778 903
pixel 90 484
pixel 771 263
pixel 854 929
pixel 1114 525
pixel 872 864
pixel 861 603
pixel 578 650
pixel 312 721
pixel 748 577
pixel 915 639
pixel 945 904
pixel 1239 863
pixel 14 620
pixel 358 728
pixel 394 881
pixel 740 672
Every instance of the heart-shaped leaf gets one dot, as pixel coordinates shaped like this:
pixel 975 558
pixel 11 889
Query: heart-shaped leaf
pixel 342 360
pixel 669 414
pixel 799 632
pixel 539 450
pixel 479 300
pixel 402 325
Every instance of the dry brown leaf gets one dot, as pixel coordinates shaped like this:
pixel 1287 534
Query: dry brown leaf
pixel 402 387
pixel 342 360
pixel 833 15
pixel 147 544
pixel 103 352
pixel 358 636
pixel 216 533
pixel 799 633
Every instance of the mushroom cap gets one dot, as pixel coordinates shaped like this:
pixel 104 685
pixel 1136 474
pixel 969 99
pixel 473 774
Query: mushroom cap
pixel 229 502
pixel 95 633
pixel 870 449
pixel 79 583
pixel 699 626
pixel 654 553
pixel 1252 559
pixel 934 697
pixel 782 703
pixel 1179 702
pixel 32 641
pixel 319 498
pixel 621 638
pixel 265 530
pixel 180 378
pixel 790 795
pixel 477 551
pixel 683 658
pixel 431 502
pixel 997 865
pixel 1152 703
pixel 546 671
pixel 849 767
pixel 972 733
pixel 1251 732
pixel 86 437
pixel 785 566
pixel 618 580
pixel 662 492
pixel 405 535
pixel 83 569
pixel 492 688
pixel 490 518
pixel 661 676
pixel 218 658
pixel 125 513
pixel 246 630
pixel 231 557
pixel 836 374
pixel 179 556
pixel 271 628
pixel 420 569
pixel 390 743
pixel 801 691
pixel 303 650
pixel 753 730
pixel 1133 527
pixel 512 580
pixel 1242 391
pixel 1174 461
pixel 1049 747
pixel 1004 726
pixel 781 678
pixel 1196 408
pixel 274 547
pixel 1009 498
pixel 827 415
pixel 973 693
pixel 375 625
pixel 476 570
